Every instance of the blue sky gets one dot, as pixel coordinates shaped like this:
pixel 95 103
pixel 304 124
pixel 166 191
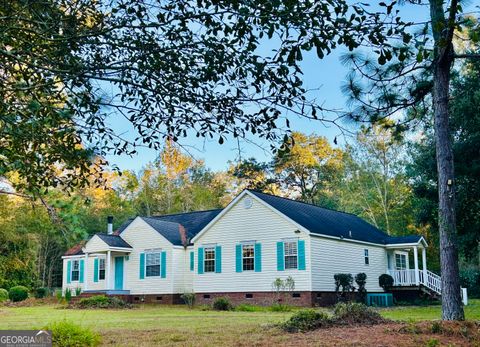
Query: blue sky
pixel 327 75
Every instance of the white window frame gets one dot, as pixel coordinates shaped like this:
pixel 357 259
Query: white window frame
pixel 252 245
pixel 77 261
pixel 285 255
pixel 152 253
pixel 401 254
pixel 366 255
pixel 100 260
pixel 214 259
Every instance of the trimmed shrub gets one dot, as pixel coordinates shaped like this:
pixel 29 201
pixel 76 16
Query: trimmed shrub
pixel 345 282
pixel 68 334
pixel 59 295
pixel 222 304
pixel 306 320
pixel 355 313
pixel 361 280
pixel 102 301
pixel 18 293
pixel 3 295
pixel 189 299
pixel 385 281
pixel 41 292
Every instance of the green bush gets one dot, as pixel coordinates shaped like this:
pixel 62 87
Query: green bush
pixel 249 308
pixel 470 279
pixel 280 308
pixel 306 320
pixel 222 304
pixel 68 294
pixel 18 293
pixel 59 295
pixel 78 291
pixel 385 281
pixel 102 301
pixel 355 313
pixel 41 292
pixel 68 334
pixel 3 295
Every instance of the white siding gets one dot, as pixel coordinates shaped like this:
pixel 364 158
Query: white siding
pixel 331 256
pixel 257 223
pixel 95 244
pixel 73 284
pixel 142 236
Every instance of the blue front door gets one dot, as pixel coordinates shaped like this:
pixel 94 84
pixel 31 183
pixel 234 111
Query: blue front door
pixel 118 273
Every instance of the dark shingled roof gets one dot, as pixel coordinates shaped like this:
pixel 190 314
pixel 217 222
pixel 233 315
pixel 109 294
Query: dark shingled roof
pixel 171 226
pixel 319 220
pixel 75 250
pixel 113 240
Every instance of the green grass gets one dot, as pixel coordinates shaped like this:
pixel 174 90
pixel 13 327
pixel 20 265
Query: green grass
pixel 171 325
pixel 420 313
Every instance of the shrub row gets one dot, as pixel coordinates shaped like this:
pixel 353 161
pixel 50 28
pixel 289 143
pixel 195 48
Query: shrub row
pixel 102 301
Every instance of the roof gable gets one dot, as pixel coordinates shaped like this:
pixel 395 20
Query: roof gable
pixel 178 228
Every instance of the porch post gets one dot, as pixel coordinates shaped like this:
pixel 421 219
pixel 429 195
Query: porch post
pixel 107 277
pixel 424 264
pixel 415 261
pixel 85 273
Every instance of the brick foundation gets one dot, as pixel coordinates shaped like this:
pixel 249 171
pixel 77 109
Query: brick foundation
pixel 298 298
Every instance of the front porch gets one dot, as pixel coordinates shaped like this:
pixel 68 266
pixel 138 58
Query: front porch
pixel 399 259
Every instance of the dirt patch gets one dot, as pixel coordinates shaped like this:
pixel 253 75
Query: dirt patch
pixel 389 334
pixel 30 302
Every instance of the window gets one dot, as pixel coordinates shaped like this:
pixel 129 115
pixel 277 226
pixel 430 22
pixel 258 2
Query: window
pixel 400 261
pixel 101 268
pixel 209 261
pixel 248 252
pixel 75 270
pixel 367 260
pixel 249 296
pixel 291 255
pixel 152 265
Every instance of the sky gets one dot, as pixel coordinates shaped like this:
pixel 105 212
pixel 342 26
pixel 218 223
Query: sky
pixel 326 75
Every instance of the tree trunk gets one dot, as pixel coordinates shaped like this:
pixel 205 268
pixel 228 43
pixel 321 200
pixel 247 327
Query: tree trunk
pixel 452 308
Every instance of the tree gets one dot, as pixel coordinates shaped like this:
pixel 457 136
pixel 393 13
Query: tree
pixel 374 185
pixel 172 69
pixel 413 72
pixel 308 166
pixel 465 124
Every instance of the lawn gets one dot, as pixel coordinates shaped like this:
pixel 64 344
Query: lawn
pixel 177 325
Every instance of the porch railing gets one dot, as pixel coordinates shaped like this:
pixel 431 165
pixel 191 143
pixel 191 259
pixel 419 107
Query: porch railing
pixel 407 278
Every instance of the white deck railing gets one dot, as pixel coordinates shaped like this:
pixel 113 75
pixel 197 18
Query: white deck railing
pixel 408 278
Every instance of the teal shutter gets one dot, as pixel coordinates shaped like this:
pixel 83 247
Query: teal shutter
pixel 218 259
pixel 163 266
pixel 192 261
pixel 142 266
pixel 280 257
pixel 200 260
pixel 258 257
pixel 82 266
pixel 95 270
pixel 238 258
pixel 301 254
pixel 69 271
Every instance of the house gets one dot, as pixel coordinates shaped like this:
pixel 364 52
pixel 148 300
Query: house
pixel 238 252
